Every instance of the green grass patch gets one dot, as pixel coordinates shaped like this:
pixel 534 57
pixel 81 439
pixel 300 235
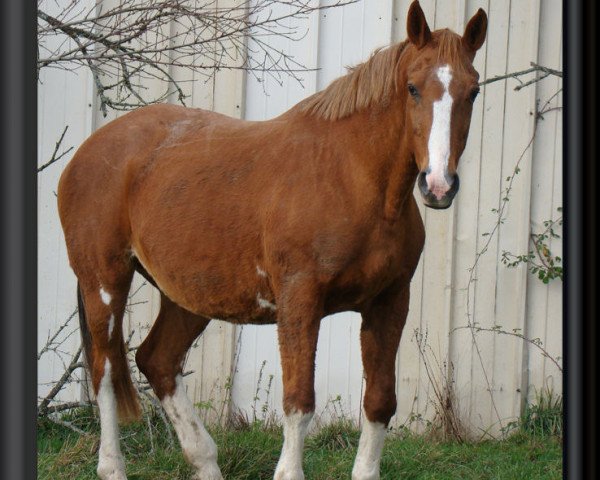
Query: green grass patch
pixel 251 453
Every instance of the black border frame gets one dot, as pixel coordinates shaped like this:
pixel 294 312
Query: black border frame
pixel 18 251
pixel 18 244
pixel 572 465
pixel 579 318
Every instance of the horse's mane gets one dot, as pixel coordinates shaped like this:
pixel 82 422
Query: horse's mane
pixel 374 81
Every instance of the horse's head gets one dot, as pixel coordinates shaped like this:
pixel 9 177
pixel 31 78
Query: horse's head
pixel 441 85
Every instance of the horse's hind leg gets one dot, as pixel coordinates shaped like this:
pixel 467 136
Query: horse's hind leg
pixel 380 335
pixel 102 296
pixel 160 358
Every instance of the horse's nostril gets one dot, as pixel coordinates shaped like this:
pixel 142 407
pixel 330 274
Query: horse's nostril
pixel 422 183
pixel 454 184
pixel 437 194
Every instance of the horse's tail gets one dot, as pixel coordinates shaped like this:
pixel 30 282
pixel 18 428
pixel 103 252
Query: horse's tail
pixel 86 338
pixel 128 405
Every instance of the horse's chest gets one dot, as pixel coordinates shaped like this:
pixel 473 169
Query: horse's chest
pixel 381 263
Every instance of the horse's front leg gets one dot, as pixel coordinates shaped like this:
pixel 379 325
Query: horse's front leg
pixel 380 333
pixel 299 316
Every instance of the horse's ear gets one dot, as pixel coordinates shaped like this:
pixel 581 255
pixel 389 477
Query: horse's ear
pixel 474 35
pixel 416 25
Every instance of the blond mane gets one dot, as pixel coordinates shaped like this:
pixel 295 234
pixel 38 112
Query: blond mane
pixel 374 81
pixel 364 85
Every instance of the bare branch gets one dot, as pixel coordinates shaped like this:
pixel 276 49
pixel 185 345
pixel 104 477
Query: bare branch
pixel 51 343
pixel 534 68
pixel 153 39
pixel 74 365
pixel 62 407
pixel 55 157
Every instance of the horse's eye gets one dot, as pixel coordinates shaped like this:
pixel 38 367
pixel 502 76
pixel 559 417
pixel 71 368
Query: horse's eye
pixel 474 94
pixel 413 90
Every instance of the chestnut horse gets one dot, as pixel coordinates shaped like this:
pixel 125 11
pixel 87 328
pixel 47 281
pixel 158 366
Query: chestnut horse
pixel 283 221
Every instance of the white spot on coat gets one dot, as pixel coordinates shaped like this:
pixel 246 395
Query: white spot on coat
pixel 439 137
pixel 111 326
pixel 260 272
pixel 295 427
pixel 370 446
pixel 110 461
pixel 197 445
pixel 105 296
pixel 264 303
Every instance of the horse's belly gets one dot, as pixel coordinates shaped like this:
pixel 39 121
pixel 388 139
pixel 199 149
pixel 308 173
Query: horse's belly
pixel 224 288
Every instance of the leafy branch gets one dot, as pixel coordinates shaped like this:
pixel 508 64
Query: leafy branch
pixel 540 260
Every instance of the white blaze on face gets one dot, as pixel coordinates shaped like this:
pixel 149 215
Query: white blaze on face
pixel 370 446
pixel 439 137
pixel 295 427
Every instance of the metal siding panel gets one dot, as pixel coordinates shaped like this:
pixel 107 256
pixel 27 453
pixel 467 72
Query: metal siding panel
pixel 466 234
pixel 481 405
pixel 544 302
pixel 64 99
pixel 514 231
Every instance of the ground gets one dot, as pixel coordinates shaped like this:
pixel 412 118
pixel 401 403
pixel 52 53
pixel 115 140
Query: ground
pixel 250 452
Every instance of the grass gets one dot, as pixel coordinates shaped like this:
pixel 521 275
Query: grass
pixel 250 452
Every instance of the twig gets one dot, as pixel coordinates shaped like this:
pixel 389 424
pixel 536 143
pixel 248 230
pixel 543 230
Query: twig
pixel 74 365
pixel 54 157
pixel 52 339
pixel 67 424
pixel 66 406
pixel 534 68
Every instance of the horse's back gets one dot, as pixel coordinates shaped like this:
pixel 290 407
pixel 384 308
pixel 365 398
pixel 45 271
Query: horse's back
pixel 94 187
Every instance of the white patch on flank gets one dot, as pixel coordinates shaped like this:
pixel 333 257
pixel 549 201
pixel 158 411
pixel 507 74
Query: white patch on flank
pixel 295 427
pixel 198 447
pixel 370 446
pixel 105 296
pixel 110 462
pixel 439 137
pixel 261 272
pixel 111 326
pixel 264 303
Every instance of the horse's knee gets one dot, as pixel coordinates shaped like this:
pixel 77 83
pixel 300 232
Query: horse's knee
pixel 380 404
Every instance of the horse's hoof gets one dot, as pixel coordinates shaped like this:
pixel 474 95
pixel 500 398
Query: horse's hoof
pixel 209 472
pixel 289 475
pixel 357 475
pixel 111 473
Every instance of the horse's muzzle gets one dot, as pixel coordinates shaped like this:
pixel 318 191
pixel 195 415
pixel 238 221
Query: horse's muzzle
pixel 432 201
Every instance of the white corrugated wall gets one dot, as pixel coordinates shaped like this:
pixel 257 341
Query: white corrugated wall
pixel 493 373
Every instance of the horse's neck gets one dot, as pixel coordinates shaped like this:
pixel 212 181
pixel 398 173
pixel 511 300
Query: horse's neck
pixel 387 161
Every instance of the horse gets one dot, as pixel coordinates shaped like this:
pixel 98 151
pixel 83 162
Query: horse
pixel 282 221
